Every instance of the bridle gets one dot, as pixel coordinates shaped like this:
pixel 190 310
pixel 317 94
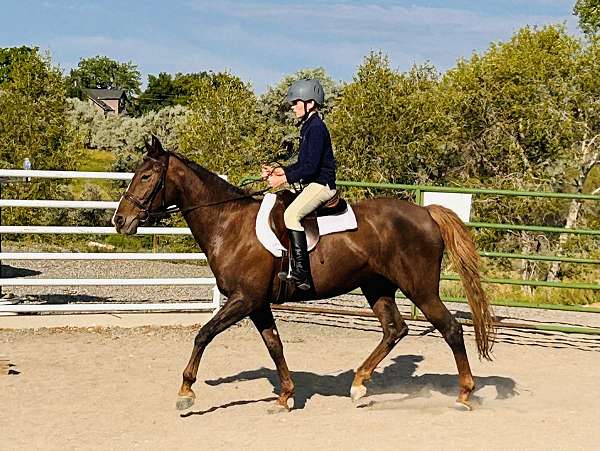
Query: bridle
pixel 143 205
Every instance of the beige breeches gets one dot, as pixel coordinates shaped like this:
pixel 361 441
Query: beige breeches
pixel 311 198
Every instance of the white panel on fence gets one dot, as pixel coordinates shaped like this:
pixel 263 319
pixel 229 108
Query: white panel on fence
pixel 457 202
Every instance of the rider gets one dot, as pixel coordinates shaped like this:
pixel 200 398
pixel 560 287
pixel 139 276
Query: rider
pixel 314 172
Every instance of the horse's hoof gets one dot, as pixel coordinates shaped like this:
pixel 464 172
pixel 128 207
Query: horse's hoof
pixel 278 408
pixel 184 402
pixel 357 392
pixel 463 406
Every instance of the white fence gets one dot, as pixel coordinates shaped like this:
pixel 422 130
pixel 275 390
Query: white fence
pixel 212 306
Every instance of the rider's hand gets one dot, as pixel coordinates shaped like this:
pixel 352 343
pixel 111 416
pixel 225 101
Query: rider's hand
pixel 277 180
pixel 267 171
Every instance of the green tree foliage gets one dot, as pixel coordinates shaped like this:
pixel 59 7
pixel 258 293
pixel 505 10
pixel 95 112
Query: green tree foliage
pixel 525 107
pixel 103 72
pixel 225 132
pixel 386 126
pixel 33 124
pixel 165 90
pixel 8 56
pixel 516 107
pixel 588 12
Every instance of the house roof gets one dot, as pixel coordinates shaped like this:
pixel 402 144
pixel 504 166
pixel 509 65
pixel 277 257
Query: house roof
pixel 105 94
pixel 101 104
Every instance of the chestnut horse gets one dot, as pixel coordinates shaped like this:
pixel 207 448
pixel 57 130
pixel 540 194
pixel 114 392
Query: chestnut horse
pixel 398 245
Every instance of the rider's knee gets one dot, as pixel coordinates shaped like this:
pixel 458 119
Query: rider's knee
pixel 291 219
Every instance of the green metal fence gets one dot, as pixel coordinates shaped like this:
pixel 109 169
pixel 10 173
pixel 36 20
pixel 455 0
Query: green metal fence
pixel 418 192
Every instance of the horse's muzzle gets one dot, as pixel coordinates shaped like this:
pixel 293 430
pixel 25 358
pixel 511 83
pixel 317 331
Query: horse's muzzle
pixel 125 226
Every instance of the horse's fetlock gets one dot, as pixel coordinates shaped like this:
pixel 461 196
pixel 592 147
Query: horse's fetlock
pixel 188 379
pixel 394 334
pixel 403 332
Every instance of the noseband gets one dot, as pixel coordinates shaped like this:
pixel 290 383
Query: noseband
pixel 144 204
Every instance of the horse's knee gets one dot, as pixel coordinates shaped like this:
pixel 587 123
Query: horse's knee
pixel 202 339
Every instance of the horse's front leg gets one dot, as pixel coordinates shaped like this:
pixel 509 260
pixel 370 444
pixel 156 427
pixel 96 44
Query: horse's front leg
pixel 235 309
pixel 265 323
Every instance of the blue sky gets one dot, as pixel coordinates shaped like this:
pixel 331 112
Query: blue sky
pixel 263 40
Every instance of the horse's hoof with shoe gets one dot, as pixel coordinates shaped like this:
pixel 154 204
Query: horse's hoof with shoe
pixel 463 406
pixel 184 402
pixel 357 392
pixel 278 407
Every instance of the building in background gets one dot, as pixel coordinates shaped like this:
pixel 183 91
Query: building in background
pixel 108 101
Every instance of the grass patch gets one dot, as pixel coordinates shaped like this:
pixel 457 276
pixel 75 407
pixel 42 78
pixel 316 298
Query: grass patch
pixel 93 160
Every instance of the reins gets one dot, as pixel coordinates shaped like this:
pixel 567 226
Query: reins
pixel 174 209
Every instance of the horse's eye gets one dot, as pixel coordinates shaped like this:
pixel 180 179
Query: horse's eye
pixel 145 177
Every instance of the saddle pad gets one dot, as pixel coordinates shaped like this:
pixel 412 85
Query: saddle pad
pixel 327 224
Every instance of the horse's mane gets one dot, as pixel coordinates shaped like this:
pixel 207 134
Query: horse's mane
pixel 205 174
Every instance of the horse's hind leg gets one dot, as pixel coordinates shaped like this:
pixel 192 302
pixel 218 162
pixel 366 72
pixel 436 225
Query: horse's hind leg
pixel 381 299
pixel 437 313
pixel 265 323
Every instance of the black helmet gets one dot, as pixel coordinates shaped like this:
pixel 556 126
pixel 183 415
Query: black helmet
pixel 306 90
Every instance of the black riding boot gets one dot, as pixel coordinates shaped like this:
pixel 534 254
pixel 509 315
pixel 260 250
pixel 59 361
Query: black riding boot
pixel 300 273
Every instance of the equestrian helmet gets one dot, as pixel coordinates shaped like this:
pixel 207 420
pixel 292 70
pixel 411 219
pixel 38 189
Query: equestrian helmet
pixel 306 90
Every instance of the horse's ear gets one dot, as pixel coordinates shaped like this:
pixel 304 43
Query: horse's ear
pixel 147 145
pixel 154 148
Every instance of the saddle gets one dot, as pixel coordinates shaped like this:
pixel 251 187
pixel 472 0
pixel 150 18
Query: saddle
pixel 334 206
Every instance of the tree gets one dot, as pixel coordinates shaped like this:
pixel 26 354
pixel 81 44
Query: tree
pixel 105 73
pixel 588 12
pixel 33 124
pixel 164 91
pixel 386 126
pixel 224 131
pixel 528 113
pixel 8 56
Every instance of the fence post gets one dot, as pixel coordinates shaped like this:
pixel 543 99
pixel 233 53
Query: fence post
pixel 414 313
pixel 216 300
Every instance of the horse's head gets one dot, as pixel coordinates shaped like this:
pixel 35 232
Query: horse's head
pixel 147 193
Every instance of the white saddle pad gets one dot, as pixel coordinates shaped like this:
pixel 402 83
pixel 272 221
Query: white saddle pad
pixel 327 224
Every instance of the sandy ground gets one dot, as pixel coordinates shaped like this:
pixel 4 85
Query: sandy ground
pixel 115 388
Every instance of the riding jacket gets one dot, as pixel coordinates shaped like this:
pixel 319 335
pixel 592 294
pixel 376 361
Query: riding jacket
pixel 315 160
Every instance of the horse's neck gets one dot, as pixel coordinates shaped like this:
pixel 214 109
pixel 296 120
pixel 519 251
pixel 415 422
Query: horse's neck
pixel 211 225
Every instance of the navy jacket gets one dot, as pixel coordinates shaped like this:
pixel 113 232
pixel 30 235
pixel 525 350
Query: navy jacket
pixel 315 160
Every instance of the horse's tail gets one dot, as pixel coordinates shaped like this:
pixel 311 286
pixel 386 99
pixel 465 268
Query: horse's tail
pixel 465 259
